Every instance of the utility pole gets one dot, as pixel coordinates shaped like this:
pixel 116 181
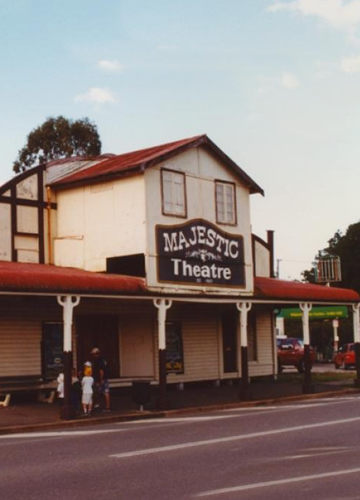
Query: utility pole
pixel 278 268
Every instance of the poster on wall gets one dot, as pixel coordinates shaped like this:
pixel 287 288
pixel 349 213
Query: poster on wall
pixel 200 253
pixel 52 350
pixel 174 348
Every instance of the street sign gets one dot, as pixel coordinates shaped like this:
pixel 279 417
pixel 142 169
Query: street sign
pixel 326 312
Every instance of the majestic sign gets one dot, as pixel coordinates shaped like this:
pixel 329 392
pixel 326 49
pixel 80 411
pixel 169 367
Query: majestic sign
pixel 198 252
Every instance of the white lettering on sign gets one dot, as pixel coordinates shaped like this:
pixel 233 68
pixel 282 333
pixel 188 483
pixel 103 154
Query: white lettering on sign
pixel 176 241
pixel 184 269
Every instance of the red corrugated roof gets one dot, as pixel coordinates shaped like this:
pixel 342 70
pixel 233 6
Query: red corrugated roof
pixel 138 161
pixel 43 279
pixel 274 289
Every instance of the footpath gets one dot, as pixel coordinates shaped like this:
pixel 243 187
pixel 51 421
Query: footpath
pixel 24 414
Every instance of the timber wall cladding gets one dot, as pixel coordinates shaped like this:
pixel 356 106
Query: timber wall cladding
pixel 21 323
pixel 20 347
pixel 5 232
pixel 264 364
pixel 200 343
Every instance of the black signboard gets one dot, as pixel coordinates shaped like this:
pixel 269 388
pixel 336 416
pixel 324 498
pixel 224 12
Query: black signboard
pixel 200 253
pixel 52 350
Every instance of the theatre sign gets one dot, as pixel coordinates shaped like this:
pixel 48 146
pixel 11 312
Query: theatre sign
pixel 199 253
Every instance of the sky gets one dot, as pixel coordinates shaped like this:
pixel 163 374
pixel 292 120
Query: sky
pixel 274 83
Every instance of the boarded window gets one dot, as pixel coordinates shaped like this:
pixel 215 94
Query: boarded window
pixel 173 192
pixel 225 203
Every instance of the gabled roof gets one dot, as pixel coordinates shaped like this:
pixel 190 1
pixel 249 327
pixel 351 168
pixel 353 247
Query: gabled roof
pixel 43 279
pixel 137 161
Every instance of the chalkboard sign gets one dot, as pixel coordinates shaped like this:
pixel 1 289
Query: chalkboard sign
pixel 174 348
pixel 52 350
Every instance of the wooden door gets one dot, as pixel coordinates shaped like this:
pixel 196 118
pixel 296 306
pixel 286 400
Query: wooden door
pixel 137 349
pixel 229 334
pixel 102 332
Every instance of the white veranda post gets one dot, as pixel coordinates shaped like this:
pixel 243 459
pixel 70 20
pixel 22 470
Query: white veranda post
pixel 356 331
pixel 68 302
pixel 244 308
pixel 308 386
pixel 162 306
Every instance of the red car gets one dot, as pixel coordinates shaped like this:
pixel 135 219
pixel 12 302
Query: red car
pixel 291 353
pixel 345 357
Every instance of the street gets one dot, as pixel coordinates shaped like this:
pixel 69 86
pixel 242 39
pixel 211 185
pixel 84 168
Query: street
pixel 298 450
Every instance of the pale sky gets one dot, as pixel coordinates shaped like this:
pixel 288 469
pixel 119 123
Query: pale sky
pixel 274 83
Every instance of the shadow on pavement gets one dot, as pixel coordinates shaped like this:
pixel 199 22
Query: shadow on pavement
pixel 24 412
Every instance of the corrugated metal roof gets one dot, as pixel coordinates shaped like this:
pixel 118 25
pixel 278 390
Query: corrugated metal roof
pixel 63 168
pixel 42 278
pixel 275 289
pixel 45 279
pixel 138 161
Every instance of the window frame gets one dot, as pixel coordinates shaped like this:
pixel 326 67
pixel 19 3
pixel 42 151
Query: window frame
pixel 168 212
pixel 224 184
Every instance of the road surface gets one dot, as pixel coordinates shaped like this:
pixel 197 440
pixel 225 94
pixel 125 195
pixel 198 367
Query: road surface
pixel 304 450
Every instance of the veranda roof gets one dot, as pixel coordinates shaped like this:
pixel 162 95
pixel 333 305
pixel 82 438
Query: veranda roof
pixel 43 279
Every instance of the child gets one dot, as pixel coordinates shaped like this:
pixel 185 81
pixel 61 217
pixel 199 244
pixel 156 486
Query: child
pixel 87 383
pixel 60 387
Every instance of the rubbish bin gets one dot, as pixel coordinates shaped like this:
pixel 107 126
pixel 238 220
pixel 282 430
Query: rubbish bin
pixel 141 392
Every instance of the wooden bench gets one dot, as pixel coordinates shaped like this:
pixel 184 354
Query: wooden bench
pixel 26 384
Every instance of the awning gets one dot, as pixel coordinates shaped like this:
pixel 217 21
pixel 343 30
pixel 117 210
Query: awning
pixel 43 279
pixel 280 290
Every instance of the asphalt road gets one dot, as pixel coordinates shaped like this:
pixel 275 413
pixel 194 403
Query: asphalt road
pixel 294 451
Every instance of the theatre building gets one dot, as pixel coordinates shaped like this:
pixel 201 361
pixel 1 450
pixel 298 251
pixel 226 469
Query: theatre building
pixel 149 256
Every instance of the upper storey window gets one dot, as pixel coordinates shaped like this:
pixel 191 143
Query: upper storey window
pixel 173 192
pixel 225 203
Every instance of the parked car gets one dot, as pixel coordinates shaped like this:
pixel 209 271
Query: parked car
pixel 291 353
pixel 345 357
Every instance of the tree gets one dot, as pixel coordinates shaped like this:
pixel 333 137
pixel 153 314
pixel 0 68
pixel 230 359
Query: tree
pixel 347 247
pixel 58 138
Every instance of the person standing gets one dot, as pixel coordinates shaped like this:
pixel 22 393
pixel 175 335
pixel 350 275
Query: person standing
pixel 100 375
pixel 87 383
pixel 76 391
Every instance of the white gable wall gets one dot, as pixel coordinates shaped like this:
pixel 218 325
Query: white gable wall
pixel 118 218
pixel 201 169
pixel 100 221
pixel 262 260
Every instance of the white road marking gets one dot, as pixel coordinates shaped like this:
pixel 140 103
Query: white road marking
pixel 328 449
pixel 279 407
pixel 251 408
pixel 58 434
pixel 232 438
pixel 245 487
pixel 295 406
pixel 170 420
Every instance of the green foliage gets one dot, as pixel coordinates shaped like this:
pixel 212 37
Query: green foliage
pixel 347 247
pixel 58 138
